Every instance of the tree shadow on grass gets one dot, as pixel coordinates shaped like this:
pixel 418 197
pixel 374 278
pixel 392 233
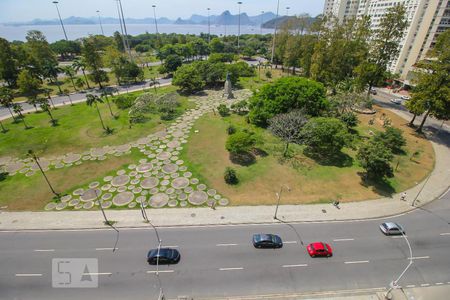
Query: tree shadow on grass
pixel 340 159
pixel 380 186
pixel 243 158
pixel 3 176
pixel 260 152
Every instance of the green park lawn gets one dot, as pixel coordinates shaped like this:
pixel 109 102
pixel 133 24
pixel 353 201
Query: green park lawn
pixel 79 130
pixel 310 181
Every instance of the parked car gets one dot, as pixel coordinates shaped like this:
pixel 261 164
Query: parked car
pixel 166 256
pixel 267 240
pixel 404 97
pixel 391 228
pixel 373 91
pixel 319 249
pixel 396 101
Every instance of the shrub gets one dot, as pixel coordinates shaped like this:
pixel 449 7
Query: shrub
pixel 221 57
pixel 240 142
pixel 124 101
pixel 230 176
pixel 223 110
pixel 392 138
pixel 269 74
pixel 231 130
pixel 239 107
pixel 375 158
pixel 188 78
pixel 350 119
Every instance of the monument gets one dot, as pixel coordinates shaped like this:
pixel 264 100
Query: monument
pixel 228 91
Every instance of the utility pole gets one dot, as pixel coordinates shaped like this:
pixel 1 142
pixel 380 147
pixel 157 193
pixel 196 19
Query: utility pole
pixel 262 22
pixel 60 20
pixel 275 33
pixel 209 26
pixel 287 11
pixel 239 24
pixel 154 16
pixel 100 21
pixel 279 198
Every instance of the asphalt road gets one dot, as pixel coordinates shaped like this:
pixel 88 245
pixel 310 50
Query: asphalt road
pixel 220 260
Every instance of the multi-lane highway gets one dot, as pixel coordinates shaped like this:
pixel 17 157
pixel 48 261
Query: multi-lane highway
pixel 221 261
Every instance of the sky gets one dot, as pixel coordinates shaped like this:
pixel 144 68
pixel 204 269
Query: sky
pixel 27 10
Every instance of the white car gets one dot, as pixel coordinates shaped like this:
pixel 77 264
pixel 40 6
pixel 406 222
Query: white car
pixel 404 97
pixel 396 101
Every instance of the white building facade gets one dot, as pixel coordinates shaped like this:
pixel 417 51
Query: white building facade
pixel 426 20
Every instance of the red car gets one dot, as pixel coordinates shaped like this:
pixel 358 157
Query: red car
pixel 319 249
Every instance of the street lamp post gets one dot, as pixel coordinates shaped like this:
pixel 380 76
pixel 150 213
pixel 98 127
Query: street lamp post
pixel 275 33
pixel 36 160
pixel 209 26
pixel 287 11
pixel 125 30
pixel 154 15
pixel 121 28
pixel 239 24
pixel 394 283
pixel 262 22
pixel 60 20
pixel 279 199
pixel 100 22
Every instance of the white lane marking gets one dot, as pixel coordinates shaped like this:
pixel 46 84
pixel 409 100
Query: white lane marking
pixel 161 271
pixel 294 266
pixel 356 262
pixel 97 274
pixel 103 249
pixel 290 242
pixel 448 282
pixel 425 284
pixel 231 269
pixel 29 275
pixel 445 233
pixel 224 245
pixel 398 236
pixel 442 196
pixel 170 246
pixel 439 283
pixel 410 286
pixel 342 240
pixel 44 250
pixel 420 257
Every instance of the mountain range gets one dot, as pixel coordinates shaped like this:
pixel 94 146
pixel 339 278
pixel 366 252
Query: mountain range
pixel 226 18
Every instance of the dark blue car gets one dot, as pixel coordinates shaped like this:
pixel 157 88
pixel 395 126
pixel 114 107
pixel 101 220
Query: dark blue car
pixel 166 256
pixel 267 240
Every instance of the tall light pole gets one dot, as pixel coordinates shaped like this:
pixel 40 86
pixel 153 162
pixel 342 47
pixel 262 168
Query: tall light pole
pixel 121 28
pixel 125 30
pixel 100 22
pixel 239 24
pixel 287 11
pixel 60 20
pixel 154 16
pixel 262 22
pixel 279 198
pixel 275 33
pixel 209 26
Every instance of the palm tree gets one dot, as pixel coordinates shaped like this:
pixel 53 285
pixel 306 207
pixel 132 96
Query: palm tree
pixel 70 72
pixel 47 92
pixel 51 72
pixel 94 100
pixel 154 82
pixel 106 93
pixel 43 103
pixel 6 99
pixel 4 130
pixel 67 93
pixel 33 101
pixel 17 108
pixel 78 64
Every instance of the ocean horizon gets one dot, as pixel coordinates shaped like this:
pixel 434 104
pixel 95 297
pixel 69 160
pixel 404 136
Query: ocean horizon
pixel 55 33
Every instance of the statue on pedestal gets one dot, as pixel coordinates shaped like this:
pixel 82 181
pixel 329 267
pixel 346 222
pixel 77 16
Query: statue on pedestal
pixel 228 91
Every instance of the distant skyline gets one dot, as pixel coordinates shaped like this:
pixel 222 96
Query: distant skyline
pixel 27 10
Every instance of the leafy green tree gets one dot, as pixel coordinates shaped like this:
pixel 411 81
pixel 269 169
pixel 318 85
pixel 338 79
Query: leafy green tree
pixel 45 106
pixel 288 127
pixel 239 69
pixel 94 100
pixel 80 64
pixel 325 136
pixel 284 95
pixel 70 72
pixel 221 57
pixel 375 158
pixel 392 138
pixel 171 64
pixel 350 119
pixel 29 86
pixel 66 49
pixel 212 73
pixel 41 60
pixel 6 100
pixel 94 62
pixel 8 65
pixel 188 79
pixel 240 142
pixel 217 46
pixel 384 47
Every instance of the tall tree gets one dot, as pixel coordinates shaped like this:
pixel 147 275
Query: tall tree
pixel 6 99
pixel 94 62
pixel 45 106
pixel 47 92
pixel 94 100
pixel 29 86
pixel 18 109
pixel 105 94
pixel 70 72
pixel 8 64
pixel 79 64
pixel 288 127
pixel 41 59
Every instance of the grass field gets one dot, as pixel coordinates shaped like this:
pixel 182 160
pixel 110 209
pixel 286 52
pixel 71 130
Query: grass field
pixel 79 130
pixel 310 181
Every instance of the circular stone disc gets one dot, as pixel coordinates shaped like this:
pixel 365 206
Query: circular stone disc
pixel 88 205
pixel 71 158
pixel 90 194
pixel 180 183
pixel 198 198
pixel 123 198
pixel 159 200
pixel 144 167
pixel 173 203
pixel 120 180
pixel 61 206
pixel 164 155
pixel 149 183
pixel 50 206
pixel 169 168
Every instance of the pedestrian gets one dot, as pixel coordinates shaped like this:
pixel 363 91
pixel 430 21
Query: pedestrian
pixel 403 196
pixel 213 204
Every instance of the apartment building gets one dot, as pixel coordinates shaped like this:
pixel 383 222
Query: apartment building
pixel 426 20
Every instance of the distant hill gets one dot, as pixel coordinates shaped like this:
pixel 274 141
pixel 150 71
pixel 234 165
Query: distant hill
pixel 284 19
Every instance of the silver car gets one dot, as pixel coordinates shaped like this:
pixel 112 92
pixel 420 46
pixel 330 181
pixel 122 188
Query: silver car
pixel 391 228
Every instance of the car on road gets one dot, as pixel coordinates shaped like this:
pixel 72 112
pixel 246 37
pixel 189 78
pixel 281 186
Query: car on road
pixel 165 256
pixel 391 228
pixel 373 91
pixel 319 249
pixel 396 101
pixel 267 240
pixel 404 97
